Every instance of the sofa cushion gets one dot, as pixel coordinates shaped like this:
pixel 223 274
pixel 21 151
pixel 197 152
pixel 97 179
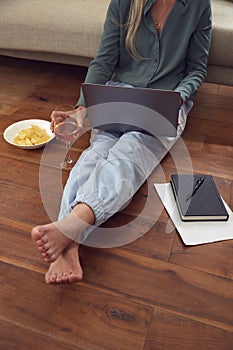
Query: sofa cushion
pixel 52 26
pixel 221 52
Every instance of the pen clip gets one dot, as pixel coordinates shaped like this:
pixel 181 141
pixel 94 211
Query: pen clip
pixel 195 188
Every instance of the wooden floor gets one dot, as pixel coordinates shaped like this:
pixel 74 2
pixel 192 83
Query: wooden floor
pixel 152 294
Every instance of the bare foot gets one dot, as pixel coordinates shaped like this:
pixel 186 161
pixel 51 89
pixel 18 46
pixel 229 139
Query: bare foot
pixel 67 268
pixel 50 241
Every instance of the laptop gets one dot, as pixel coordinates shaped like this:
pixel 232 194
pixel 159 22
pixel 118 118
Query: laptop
pixel 117 108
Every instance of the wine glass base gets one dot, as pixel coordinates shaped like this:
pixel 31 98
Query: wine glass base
pixel 67 165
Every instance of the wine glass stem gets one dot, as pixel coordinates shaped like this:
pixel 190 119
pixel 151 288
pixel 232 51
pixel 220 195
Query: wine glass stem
pixel 68 157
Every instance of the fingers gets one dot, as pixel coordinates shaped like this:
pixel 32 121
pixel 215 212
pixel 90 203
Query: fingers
pixel 79 114
pixel 58 116
pixel 61 115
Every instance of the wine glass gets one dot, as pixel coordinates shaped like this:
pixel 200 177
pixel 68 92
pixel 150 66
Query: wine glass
pixel 66 129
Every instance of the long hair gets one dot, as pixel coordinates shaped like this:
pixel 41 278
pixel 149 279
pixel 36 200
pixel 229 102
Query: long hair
pixel 135 17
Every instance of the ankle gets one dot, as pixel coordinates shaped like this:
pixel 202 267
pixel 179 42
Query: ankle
pixel 85 213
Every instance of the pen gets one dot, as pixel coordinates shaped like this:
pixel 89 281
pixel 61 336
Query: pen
pixel 195 188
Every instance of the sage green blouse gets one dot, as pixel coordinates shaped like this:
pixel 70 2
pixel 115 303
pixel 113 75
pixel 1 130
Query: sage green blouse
pixel 174 60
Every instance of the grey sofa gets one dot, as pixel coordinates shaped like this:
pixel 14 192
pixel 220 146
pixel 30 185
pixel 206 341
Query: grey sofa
pixel 69 32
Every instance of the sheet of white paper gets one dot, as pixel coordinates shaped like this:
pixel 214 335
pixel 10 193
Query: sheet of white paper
pixel 198 232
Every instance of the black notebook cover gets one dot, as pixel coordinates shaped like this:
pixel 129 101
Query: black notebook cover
pixel 203 204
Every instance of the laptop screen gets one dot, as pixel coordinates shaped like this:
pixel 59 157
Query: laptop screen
pixel 117 108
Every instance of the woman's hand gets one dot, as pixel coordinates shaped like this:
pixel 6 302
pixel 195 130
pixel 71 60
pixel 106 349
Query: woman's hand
pixel 79 114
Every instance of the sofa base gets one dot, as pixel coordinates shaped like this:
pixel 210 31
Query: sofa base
pixel 219 75
pixel 47 57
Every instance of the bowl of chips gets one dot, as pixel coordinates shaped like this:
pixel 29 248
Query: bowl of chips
pixel 29 133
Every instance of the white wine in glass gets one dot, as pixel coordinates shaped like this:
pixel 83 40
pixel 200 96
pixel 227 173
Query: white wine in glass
pixel 66 130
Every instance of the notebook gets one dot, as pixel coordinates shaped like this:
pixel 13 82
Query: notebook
pixel 117 108
pixel 193 232
pixel 197 198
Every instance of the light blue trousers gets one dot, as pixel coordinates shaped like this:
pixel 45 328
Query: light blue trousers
pixel 113 168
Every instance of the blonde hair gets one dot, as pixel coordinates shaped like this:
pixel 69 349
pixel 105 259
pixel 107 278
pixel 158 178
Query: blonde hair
pixel 135 17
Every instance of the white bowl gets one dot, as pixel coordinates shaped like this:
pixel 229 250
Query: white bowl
pixel 12 130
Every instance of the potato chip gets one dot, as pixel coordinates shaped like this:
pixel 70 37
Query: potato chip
pixel 31 136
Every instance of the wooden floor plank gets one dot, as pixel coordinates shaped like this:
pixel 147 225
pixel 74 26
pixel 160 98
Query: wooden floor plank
pixel 212 89
pixel 208 163
pixel 216 101
pixel 210 258
pixel 22 253
pixel 210 113
pixel 24 174
pixel 219 145
pixel 225 90
pixel 75 315
pixel 156 243
pixel 169 331
pixel 218 127
pixel 162 284
pixel 14 337
pixel 33 211
pixel 231 196
pixel 190 289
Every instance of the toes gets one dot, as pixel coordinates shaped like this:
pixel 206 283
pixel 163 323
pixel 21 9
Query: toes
pixel 75 277
pixel 65 277
pixel 37 234
pixel 47 278
pixel 49 253
pixel 46 257
pixel 44 248
pixel 46 254
pixel 53 278
pixel 42 241
pixel 50 278
pixel 59 278
pixel 49 257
